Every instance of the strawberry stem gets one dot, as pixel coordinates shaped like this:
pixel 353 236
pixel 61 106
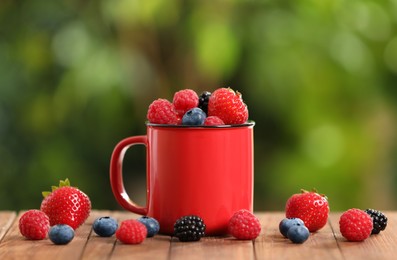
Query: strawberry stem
pixel 62 183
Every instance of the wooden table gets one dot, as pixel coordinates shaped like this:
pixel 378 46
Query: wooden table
pixel 325 244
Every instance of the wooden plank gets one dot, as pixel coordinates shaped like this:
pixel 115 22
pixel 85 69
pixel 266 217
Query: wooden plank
pixel 272 245
pixel 6 220
pixel 381 246
pixel 15 246
pixel 212 248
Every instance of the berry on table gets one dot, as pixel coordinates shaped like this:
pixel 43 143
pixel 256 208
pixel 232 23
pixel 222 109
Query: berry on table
pixel 131 231
pixel 66 205
pixel 161 111
pixel 244 225
pixel 203 101
pixel 228 106
pixel 185 100
pixel 189 228
pixel 194 116
pixel 298 234
pixel 310 207
pixel 34 224
pixel 355 225
pixel 379 220
pixel 61 234
pixel 287 223
pixel 105 226
pixel 213 120
pixel 152 225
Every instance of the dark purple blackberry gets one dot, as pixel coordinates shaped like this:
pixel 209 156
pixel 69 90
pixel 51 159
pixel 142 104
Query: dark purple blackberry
pixel 189 228
pixel 379 220
pixel 203 101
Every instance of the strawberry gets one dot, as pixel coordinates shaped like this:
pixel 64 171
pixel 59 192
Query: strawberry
pixel 310 207
pixel 228 106
pixel 66 205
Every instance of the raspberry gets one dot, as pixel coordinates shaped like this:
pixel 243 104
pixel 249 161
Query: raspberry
pixel 185 100
pixel 310 207
pixel 244 225
pixel 34 224
pixel 228 106
pixel 213 120
pixel 131 231
pixel 189 228
pixel 355 225
pixel 379 220
pixel 203 101
pixel 161 111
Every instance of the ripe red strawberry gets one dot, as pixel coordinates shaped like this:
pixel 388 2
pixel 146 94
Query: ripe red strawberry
pixel 184 100
pixel 34 224
pixel 310 207
pixel 131 231
pixel 244 225
pixel 161 111
pixel 228 106
pixel 66 205
pixel 355 225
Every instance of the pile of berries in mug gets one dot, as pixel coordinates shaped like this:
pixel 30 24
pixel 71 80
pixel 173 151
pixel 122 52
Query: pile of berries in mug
pixel 222 107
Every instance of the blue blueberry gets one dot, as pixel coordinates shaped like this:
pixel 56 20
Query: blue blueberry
pixel 287 223
pixel 298 234
pixel 105 226
pixel 194 116
pixel 152 225
pixel 61 234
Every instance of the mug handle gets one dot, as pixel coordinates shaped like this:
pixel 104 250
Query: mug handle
pixel 116 173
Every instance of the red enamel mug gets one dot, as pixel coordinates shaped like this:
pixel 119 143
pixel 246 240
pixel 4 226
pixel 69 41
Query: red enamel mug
pixel 205 171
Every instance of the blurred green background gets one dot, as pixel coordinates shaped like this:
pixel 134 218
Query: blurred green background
pixel 319 79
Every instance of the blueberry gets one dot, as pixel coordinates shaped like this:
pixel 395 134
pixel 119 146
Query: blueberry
pixel 298 234
pixel 194 116
pixel 287 223
pixel 61 234
pixel 152 225
pixel 105 226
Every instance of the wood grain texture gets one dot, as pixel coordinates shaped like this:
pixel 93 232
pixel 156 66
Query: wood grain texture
pixel 327 243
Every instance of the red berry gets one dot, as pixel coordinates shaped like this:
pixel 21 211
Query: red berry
pixel 310 207
pixel 161 111
pixel 66 205
pixel 228 106
pixel 355 225
pixel 244 225
pixel 34 224
pixel 213 120
pixel 184 100
pixel 131 231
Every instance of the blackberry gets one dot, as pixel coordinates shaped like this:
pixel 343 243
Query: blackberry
pixel 203 101
pixel 379 220
pixel 189 228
